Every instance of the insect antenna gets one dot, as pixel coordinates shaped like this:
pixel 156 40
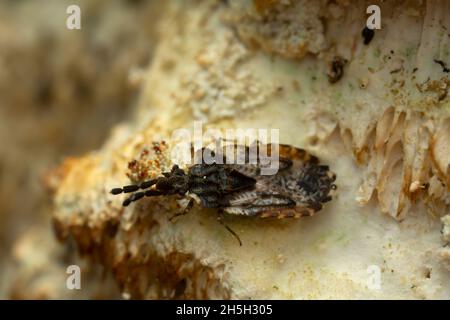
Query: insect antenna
pixel 138 195
pixel 134 187
pixel 134 197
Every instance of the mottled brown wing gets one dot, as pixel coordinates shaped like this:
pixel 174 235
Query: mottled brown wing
pixel 299 188
pixel 267 200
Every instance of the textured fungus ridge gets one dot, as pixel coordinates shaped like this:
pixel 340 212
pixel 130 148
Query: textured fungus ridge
pixel 383 126
pixel 289 28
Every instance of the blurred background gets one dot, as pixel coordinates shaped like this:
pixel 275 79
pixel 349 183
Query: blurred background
pixel 60 93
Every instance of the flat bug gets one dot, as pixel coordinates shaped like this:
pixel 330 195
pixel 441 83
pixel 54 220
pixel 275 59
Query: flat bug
pixel 299 188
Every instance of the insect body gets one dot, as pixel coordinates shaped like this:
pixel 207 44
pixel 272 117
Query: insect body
pixel 299 188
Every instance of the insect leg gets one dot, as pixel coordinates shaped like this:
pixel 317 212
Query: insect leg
pixel 220 219
pixel 185 210
pixel 134 187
